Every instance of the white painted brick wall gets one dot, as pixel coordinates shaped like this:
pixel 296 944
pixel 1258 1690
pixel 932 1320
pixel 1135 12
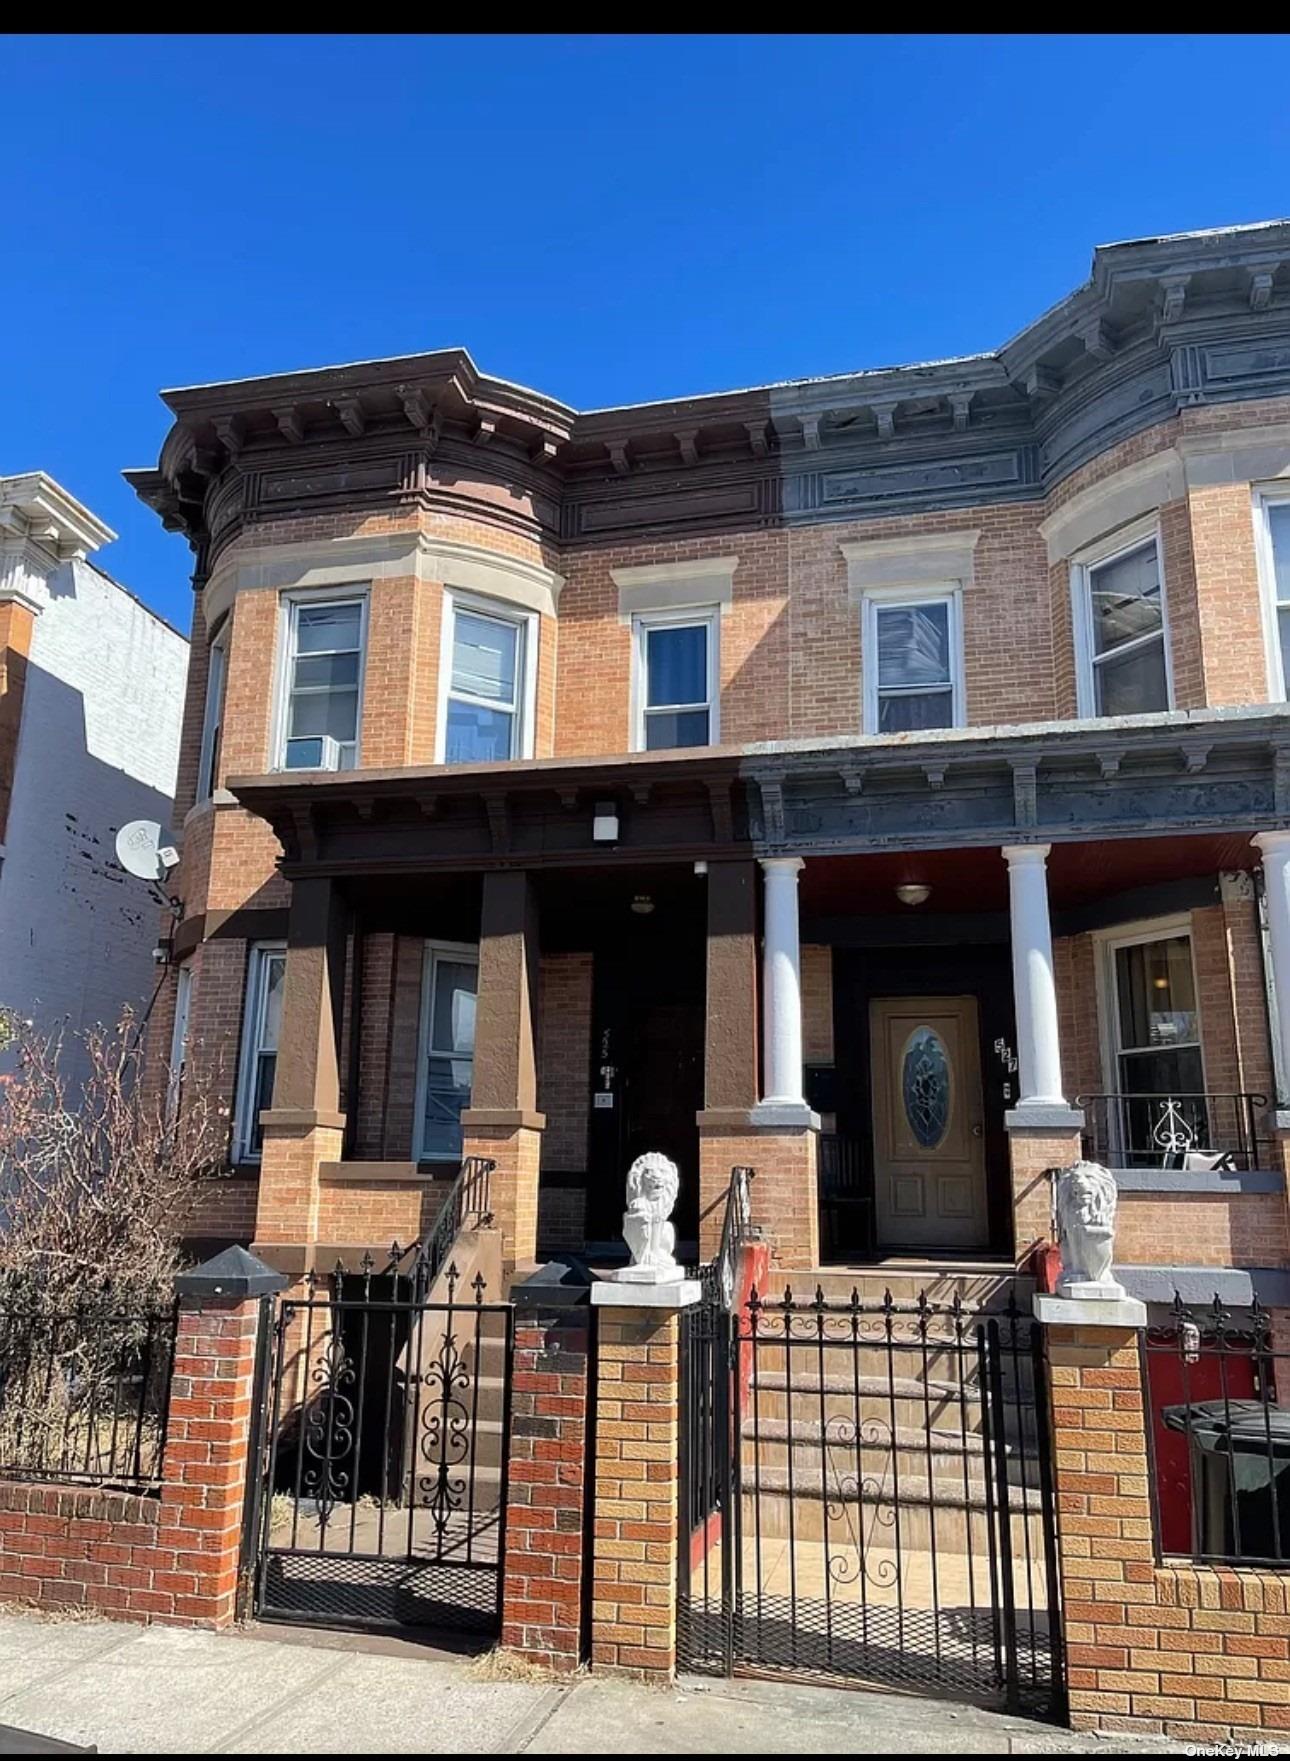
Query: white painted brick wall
pixel 99 745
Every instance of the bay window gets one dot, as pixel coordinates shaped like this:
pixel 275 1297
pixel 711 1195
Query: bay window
pixel 322 689
pixel 261 1028
pixel 486 712
pixel 1121 629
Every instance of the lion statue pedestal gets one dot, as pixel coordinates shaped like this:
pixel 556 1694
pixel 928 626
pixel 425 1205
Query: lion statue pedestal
pixel 1085 1204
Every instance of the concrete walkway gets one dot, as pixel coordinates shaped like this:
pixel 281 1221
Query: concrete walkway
pixel 159 1690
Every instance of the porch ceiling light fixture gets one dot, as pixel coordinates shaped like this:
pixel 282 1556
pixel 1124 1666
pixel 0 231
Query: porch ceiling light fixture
pixel 604 826
pixel 913 893
pixel 642 904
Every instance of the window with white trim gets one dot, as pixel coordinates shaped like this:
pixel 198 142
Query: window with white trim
pixel 487 704
pixel 261 1027
pixel 323 682
pixel 675 688
pixel 1275 560
pixel 1155 1059
pixel 913 665
pixel 1121 630
pixel 447 1062
pixel 213 713
pixel 179 1039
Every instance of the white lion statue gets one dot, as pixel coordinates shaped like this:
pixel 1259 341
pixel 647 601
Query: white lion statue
pixel 1085 1203
pixel 652 1185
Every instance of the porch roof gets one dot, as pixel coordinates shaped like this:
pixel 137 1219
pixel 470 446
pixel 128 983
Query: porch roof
pixel 1171 774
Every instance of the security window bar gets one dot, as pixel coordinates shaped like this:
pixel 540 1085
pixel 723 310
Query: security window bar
pixel 448 1064
pixel 677 699
pixel 325 663
pixel 914 646
pixel 262 1025
pixel 1127 633
pixel 485 713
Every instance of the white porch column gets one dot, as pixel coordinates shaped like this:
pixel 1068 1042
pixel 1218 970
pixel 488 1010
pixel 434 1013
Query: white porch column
pixel 782 986
pixel 1039 1061
pixel 1274 848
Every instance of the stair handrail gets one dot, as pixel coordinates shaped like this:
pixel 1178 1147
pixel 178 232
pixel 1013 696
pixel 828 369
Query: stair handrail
pixel 469 1197
pixel 737 1227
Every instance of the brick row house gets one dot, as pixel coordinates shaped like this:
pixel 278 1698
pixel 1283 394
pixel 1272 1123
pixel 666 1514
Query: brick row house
pixel 882 780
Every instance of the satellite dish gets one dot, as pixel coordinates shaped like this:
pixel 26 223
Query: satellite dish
pixel 143 849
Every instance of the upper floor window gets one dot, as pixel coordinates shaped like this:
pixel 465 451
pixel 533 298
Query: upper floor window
pixel 913 662
pixel 486 712
pixel 261 1027
pixel 1121 633
pixel 323 683
pixel 675 688
pixel 1274 546
pixel 213 713
pixel 447 1064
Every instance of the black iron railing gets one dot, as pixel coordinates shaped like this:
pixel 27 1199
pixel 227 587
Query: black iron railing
pixel 84 1387
pixel 1174 1131
pixel 469 1200
pixel 736 1228
pixel 1216 1379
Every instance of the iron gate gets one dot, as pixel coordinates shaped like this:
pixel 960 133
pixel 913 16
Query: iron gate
pixel 384 1439
pixel 867 1494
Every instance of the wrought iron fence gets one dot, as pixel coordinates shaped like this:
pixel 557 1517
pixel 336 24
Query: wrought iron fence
pixel 469 1198
pixel 1189 1132
pixel 1218 1390
pixel 84 1388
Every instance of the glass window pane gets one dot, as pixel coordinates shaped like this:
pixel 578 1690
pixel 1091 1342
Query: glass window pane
pixel 478 736
pixel 1125 598
pixel 913 644
pixel 275 977
pixel 484 657
pixel 447 1096
pixel 261 1098
pixel 1134 683
pixel 322 672
pixel 908 712
pixel 1279 528
pixel 332 712
pixel 452 1017
pixel 676 667
pixel 1156 993
pixel 1283 633
pixel 323 628
pixel 667 728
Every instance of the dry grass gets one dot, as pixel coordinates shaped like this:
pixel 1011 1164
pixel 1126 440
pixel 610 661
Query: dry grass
pixel 498 1665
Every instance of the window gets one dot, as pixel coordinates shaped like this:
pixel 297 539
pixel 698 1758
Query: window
pixel 447 1048
pixel 1274 549
pixel 1120 620
pixel 913 666
pixel 487 710
pixel 179 1039
pixel 1154 1035
pixel 323 691
pixel 213 714
pixel 676 690
pixel 261 1026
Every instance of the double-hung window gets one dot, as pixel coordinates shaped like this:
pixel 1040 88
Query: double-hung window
pixel 1274 547
pixel 323 683
pixel 213 713
pixel 677 669
pixel 1157 1069
pixel 447 1058
pixel 913 666
pixel 1121 630
pixel 261 1027
pixel 487 711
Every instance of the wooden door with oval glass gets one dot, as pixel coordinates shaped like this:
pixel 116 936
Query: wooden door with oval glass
pixel 928 1123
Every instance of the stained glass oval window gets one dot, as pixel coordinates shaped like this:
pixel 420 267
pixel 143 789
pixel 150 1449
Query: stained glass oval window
pixel 925 1086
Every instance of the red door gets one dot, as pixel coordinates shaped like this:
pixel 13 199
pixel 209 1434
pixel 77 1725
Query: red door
pixel 1173 1383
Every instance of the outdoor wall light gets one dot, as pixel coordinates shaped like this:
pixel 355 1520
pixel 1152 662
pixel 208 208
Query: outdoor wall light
pixel 604 827
pixel 642 904
pixel 913 893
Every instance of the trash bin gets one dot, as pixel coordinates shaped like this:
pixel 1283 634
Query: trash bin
pixel 1240 1476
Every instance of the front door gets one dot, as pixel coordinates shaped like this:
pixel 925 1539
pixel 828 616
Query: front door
pixel 928 1117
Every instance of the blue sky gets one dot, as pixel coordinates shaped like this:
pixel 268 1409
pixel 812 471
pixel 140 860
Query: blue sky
pixel 610 219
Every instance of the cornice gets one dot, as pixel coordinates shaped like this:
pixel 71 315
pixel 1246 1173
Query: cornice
pixel 1160 326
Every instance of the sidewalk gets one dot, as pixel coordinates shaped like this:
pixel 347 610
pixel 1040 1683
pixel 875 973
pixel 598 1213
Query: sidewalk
pixel 159 1690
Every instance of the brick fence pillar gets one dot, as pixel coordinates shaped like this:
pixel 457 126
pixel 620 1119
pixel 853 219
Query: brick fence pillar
pixel 206 1461
pixel 547 1472
pixel 1032 1151
pixel 636 1511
